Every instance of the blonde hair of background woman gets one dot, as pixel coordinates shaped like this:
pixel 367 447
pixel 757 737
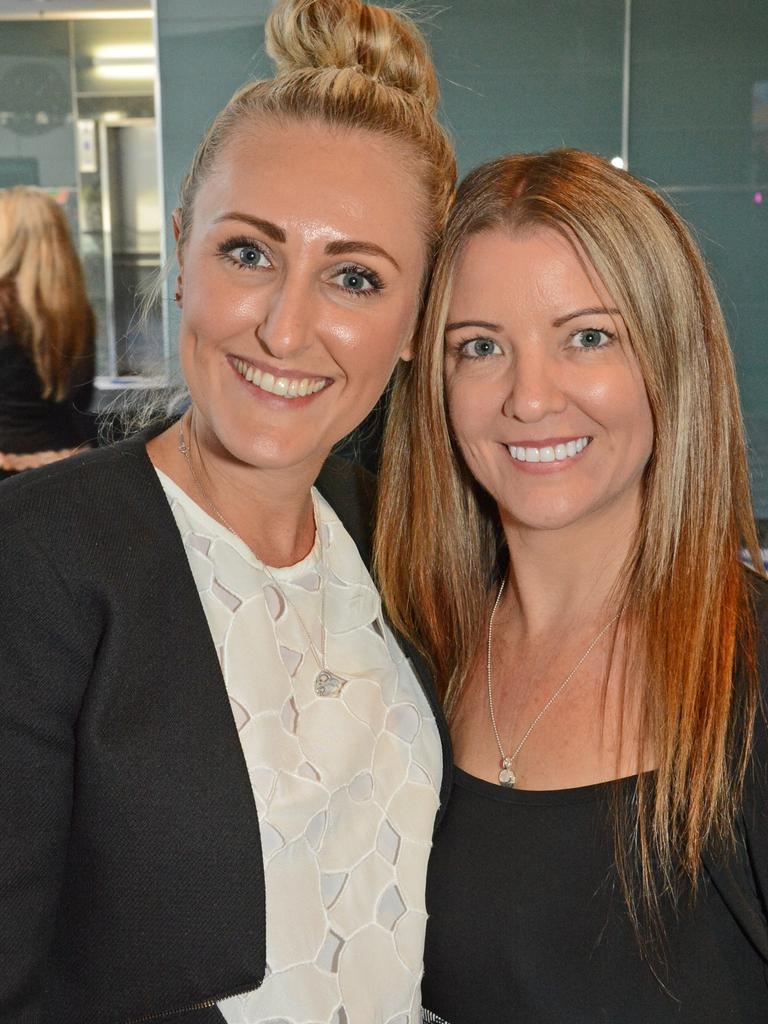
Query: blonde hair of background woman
pixel 42 294
pixel 683 592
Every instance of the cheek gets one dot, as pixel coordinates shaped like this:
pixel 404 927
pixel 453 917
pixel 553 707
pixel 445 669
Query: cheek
pixel 370 345
pixel 456 408
pixel 619 401
pixel 219 310
pixel 473 402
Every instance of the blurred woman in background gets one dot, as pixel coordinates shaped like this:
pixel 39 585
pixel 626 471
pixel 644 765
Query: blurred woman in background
pixel 46 335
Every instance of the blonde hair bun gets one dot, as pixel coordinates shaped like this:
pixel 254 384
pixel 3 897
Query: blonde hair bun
pixel 385 45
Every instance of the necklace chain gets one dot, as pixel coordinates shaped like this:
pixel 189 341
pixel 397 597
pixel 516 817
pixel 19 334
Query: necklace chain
pixel 506 774
pixel 327 683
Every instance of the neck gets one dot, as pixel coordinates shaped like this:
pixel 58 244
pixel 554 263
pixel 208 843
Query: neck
pixel 568 576
pixel 269 509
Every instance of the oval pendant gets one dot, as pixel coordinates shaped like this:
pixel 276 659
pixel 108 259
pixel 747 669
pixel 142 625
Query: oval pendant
pixel 506 776
pixel 327 684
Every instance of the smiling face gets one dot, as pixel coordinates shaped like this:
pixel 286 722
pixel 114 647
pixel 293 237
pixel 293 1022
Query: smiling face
pixel 545 396
pixel 300 282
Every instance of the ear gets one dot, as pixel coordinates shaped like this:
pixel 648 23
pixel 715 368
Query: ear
pixel 176 221
pixel 407 354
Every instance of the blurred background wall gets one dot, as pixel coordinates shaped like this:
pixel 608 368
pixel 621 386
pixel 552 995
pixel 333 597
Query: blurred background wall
pixel 102 103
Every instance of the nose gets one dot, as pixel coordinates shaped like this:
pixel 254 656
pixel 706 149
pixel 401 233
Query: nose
pixel 535 390
pixel 286 329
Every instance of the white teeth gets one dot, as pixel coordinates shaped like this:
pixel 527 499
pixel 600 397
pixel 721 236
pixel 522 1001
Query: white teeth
pixel 558 453
pixel 281 386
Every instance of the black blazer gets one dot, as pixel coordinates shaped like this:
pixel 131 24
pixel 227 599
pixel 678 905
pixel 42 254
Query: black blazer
pixel 131 880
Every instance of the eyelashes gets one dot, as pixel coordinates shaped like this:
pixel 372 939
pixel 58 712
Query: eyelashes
pixel 246 253
pixel 604 338
pixel 353 271
pixel 477 349
pixel 585 339
pixel 231 246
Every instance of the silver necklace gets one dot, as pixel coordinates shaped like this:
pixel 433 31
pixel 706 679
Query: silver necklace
pixel 507 776
pixel 327 682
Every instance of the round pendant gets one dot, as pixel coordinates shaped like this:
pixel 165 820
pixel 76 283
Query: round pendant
pixel 327 684
pixel 506 776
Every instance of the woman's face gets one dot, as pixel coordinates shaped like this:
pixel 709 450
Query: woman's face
pixel 544 392
pixel 300 282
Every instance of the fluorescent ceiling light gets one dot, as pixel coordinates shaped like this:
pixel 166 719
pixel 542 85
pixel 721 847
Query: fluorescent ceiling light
pixel 125 72
pixel 125 51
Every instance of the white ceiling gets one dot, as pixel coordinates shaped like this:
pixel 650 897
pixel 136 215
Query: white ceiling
pixel 15 9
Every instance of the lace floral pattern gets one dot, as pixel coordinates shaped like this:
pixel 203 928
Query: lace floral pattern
pixel 346 786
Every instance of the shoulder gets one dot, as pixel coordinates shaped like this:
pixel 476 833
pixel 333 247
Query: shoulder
pixel 121 467
pixel 757 587
pixel 99 503
pixel 758 592
pixel 345 482
pixel 350 490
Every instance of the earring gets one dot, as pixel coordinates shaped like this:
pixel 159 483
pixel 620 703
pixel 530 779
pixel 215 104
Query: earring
pixel 177 298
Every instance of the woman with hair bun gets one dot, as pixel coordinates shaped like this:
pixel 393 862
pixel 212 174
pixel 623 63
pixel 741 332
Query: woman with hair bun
pixel 220 768
pixel 571 421
pixel 46 334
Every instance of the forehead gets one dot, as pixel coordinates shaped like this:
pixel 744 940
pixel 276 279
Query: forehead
pixel 312 177
pixel 535 267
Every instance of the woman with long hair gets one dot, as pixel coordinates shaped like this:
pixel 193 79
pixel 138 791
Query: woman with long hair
pixel 219 768
pixel 571 425
pixel 46 334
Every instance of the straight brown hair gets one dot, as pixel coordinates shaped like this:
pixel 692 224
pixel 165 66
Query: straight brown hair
pixel 683 591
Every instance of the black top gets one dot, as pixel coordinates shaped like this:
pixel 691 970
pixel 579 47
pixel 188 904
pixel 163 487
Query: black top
pixel 29 422
pixel 131 881
pixel 528 924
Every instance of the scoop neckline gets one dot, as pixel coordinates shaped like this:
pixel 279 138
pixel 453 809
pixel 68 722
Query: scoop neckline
pixel 282 573
pixel 531 797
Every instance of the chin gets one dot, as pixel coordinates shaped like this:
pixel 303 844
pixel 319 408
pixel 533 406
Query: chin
pixel 549 515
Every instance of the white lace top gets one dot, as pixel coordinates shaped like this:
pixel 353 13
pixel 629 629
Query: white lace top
pixel 346 785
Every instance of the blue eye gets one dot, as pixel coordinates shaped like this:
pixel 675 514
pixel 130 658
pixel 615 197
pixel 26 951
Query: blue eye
pixel 591 338
pixel 248 255
pixel 244 253
pixel 355 282
pixel 358 280
pixel 478 348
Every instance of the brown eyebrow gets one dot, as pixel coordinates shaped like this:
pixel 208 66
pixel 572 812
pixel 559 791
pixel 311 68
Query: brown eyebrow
pixel 265 226
pixel 472 323
pixel 343 247
pixel 589 311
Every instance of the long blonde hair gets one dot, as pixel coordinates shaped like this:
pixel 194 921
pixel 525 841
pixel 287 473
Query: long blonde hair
pixel 683 590
pixel 42 292
pixel 349 65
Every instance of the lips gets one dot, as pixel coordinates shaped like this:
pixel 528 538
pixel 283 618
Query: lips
pixel 283 387
pixel 549 453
